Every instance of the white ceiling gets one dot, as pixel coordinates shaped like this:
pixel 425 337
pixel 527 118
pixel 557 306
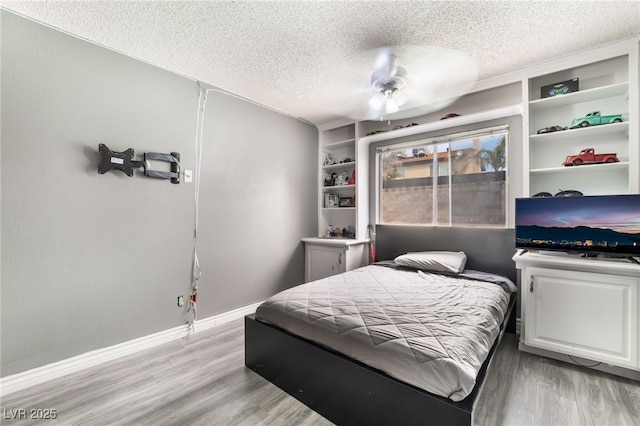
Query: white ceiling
pixel 304 58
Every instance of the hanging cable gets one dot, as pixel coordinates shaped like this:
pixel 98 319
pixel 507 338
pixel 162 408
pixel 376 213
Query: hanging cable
pixel 583 365
pixel 196 273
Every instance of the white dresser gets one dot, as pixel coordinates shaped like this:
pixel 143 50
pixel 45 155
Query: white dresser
pixel 324 257
pixel 581 307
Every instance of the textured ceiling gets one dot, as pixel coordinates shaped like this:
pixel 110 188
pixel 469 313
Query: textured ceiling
pixel 305 58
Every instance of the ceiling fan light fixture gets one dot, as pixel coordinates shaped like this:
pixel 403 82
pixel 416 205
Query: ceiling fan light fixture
pixel 390 99
pixel 387 82
pixel 377 100
pixel 391 106
pixel 400 97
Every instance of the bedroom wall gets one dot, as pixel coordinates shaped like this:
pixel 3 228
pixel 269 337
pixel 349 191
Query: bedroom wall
pixel 89 260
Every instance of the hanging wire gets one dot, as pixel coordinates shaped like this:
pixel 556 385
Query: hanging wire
pixel 196 272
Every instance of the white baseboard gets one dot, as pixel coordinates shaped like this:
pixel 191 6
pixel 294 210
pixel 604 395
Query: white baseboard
pixel 62 368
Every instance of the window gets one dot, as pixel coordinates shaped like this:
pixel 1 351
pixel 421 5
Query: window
pixel 459 180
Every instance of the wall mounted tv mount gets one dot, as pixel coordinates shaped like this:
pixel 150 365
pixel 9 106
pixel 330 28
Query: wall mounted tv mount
pixel 123 161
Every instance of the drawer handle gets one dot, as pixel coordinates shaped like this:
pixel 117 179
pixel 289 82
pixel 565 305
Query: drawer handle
pixel 531 284
pixel 340 258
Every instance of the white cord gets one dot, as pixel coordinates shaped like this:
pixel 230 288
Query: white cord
pixel 196 272
pixel 193 310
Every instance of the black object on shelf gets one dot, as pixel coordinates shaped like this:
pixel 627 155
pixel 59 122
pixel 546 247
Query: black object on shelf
pixel 561 88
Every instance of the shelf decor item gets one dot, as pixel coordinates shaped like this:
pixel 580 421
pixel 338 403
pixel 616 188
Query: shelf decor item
pixel 331 200
pixel 347 202
pixel 561 88
pixel 330 180
pixel 595 118
pixel 589 156
pixel 551 129
pixel 329 160
pixel 342 179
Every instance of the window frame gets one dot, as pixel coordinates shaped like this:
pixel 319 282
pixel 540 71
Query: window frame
pixel 423 140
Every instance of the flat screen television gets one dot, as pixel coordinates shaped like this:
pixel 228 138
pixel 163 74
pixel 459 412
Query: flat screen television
pixel 602 224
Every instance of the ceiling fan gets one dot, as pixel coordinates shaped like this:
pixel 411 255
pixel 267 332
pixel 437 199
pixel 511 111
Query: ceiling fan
pixel 411 80
pixel 389 82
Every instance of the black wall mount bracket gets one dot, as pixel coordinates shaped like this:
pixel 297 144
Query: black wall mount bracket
pixel 123 161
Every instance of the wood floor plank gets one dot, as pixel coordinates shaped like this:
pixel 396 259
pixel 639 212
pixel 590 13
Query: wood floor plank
pixel 628 393
pixel 193 405
pixel 289 411
pixel 599 412
pixel 553 409
pixel 557 377
pixel 498 385
pixel 594 392
pixel 519 407
pixel 202 380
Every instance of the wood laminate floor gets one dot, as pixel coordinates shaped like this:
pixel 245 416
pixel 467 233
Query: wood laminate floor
pixel 203 381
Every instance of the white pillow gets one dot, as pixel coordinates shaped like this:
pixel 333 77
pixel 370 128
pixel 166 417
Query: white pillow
pixel 436 261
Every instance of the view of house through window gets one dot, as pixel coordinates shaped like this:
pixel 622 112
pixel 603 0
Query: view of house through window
pixel 458 182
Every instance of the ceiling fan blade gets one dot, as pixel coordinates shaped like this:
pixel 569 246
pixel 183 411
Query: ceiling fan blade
pixel 435 78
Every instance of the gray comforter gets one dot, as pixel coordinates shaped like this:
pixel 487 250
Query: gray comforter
pixel 428 330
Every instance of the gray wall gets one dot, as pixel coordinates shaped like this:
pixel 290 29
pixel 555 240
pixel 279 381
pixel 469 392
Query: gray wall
pixel 91 260
pixel 258 198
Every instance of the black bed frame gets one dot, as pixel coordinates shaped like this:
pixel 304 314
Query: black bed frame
pixel 348 392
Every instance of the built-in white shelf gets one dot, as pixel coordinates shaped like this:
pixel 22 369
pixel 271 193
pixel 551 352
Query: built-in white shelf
pixel 585 168
pixel 340 144
pixel 610 84
pixel 349 165
pixel 609 91
pixel 444 124
pixel 603 129
pixel 338 208
pixel 337 187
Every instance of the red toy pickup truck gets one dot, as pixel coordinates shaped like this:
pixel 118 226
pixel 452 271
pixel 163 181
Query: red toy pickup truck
pixel 589 156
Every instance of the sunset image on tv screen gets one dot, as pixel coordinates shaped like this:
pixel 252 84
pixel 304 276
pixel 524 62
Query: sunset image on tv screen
pixel 605 224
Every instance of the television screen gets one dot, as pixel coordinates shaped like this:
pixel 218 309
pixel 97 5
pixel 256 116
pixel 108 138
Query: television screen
pixel 592 224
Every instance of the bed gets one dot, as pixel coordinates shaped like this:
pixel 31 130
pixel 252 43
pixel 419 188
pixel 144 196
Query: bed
pixel 351 391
